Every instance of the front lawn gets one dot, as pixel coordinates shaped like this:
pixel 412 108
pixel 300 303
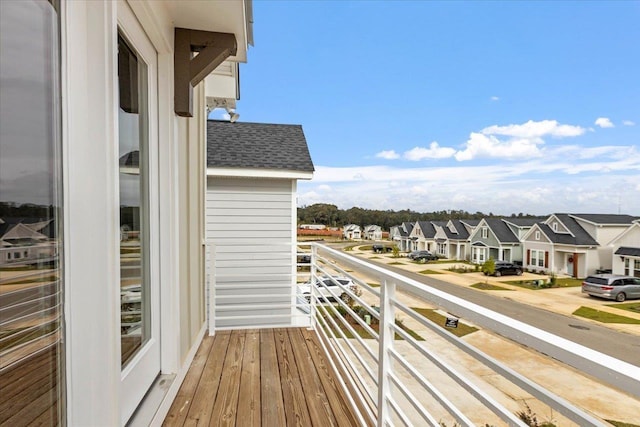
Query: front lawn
pixel 359 329
pixel 430 272
pixel 604 317
pixel 396 263
pixel 633 307
pixel 439 320
pixel 487 287
pixel 565 282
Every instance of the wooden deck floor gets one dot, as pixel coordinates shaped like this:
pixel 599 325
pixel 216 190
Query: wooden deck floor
pixel 267 377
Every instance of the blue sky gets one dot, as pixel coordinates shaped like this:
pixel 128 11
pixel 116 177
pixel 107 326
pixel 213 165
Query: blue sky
pixel 484 106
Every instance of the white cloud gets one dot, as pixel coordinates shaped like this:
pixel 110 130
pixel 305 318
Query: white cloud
pixel 388 154
pixel 628 123
pixel 324 187
pixel 480 145
pixel 533 129
pixel 433 152
pixel 495 98
pixel 603 122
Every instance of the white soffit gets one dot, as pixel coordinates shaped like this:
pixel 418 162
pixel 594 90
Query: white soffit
pixel 219 16
pixel 258 173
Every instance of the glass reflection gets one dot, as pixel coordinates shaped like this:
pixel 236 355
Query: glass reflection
pixel 31 287
pixel 133 172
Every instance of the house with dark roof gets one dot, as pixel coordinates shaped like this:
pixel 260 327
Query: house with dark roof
pixel 252 173
pixel 560 245
pixel 626 251
pixel 400 235
pixel 423 236
pixel 493 238
pixel 372 232
pixel 457 236
pixel 352 232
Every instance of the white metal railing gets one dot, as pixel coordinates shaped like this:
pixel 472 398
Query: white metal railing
pixel 391 383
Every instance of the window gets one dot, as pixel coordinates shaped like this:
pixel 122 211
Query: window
pixel 537 258
pixel 485 232
pixel 30 186
pixel 636 268
pixel 538 235
pixel 554 226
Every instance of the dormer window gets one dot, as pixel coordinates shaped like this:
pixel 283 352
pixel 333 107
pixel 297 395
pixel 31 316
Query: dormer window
pixel 485 232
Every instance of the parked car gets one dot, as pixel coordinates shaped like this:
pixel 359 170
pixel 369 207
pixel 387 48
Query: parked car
pixel 326 286
pixel 612 286
pixel 378 248
pixel 504 268
pixel 422 256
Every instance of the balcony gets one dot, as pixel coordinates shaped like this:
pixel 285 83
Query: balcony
pixel 344 356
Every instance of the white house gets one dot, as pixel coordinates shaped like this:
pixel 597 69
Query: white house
pixel 372 232
pixel 252 173
pixel 84 84
pixel 352 232
pixel 626 251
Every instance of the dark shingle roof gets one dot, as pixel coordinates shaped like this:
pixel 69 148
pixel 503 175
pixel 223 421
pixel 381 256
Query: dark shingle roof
pixel 580 236
pixel 523 222
pixel 501 230
pixel 463 234
pixel 471 222
pixel 606 218
pixel 626 250
pixel 257 146
pixel 428 230
pixel 408 226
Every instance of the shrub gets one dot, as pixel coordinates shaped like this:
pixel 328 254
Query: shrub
pixel 489 267
pixel 396 252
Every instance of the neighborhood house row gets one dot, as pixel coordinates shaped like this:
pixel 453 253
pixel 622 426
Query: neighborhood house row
pixel 569 244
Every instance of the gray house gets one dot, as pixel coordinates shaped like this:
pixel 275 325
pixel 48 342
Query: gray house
pixel 493 238
pixel 252 173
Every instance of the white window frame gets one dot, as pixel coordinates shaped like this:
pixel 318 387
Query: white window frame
pixel 537 235
pixel 484 232
pixel 537 258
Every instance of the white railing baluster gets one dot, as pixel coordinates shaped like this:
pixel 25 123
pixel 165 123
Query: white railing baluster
pixel 386 335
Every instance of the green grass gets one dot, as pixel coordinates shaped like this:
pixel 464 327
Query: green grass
pixel 604 317
pixel 449 261
pixel 396 263
pixel 374 285
pixel 374 257
pixel 366 248
pixel 621 424
pixel 487 287
pixel 48 278
pixel 439 319
pixel 565 282
pixel 568 282
pixel 19 268
pixel 633 307
pixel 430 272
pixel 374 325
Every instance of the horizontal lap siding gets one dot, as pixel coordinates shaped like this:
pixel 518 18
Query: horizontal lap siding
pixel 250 222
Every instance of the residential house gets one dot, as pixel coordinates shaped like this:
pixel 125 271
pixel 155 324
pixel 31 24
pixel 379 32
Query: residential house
pixel 457 236
pixel 626 251
pixel 423 236
pixel 400 235
pixel 352 232
pixel 604 228
pixel 252 173
pixel 372 232
pixel 560 245
pixel 84 84
pixel 493 238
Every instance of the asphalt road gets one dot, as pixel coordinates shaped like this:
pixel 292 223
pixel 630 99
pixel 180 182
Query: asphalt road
pixel 621 345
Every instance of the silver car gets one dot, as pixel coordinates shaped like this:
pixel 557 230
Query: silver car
pixel 612 286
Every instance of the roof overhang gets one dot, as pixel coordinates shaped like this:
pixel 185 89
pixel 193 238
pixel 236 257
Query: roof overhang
pixel 258 173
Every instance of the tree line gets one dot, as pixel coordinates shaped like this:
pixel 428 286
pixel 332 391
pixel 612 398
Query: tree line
pixel 331 216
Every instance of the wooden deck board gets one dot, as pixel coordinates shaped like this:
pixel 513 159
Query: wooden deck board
pixel 270 377
pixel 180 407
pixel 271 388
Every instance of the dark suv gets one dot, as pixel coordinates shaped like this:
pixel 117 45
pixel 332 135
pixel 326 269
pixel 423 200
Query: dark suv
pixel 422 256
pixel 503 268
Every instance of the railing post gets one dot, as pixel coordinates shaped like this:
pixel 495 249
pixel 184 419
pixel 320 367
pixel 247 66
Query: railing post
pixel 386 335
pixel 312 305
pixel 212 288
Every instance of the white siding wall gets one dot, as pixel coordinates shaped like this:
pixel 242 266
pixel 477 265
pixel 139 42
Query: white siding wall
pixel 252 225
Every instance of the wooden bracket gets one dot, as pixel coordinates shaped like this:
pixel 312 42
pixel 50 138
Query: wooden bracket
pixel 189 70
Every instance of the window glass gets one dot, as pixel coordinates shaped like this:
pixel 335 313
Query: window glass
pixel 31 281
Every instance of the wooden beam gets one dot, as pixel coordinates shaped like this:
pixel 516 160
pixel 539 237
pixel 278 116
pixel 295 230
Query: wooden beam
pixel 213 48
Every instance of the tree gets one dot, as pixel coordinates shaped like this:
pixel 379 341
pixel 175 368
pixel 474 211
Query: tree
pixel 489 267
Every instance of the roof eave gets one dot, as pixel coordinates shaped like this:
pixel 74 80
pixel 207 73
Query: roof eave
pixel 258 173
